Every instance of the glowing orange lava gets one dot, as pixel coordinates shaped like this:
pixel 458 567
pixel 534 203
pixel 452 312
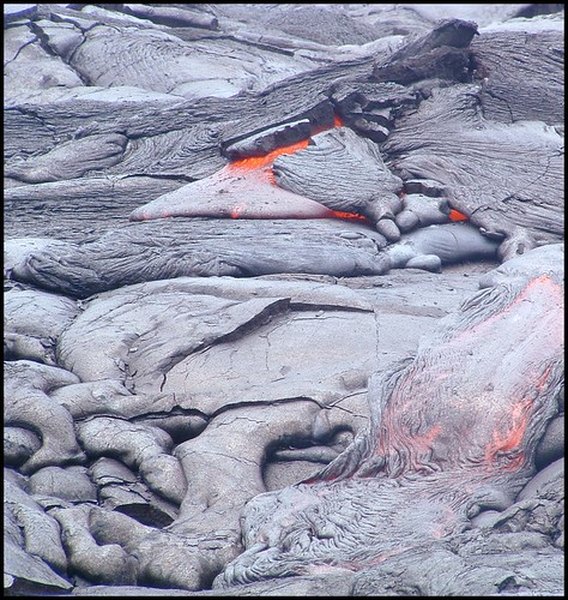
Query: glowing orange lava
pixel 237 211
pixel 456 215
pixel 424 442
pixel 544 285
pixel 263 165
pixel 338 214
pixel 510 440
pixel 257 162
pixel 539 282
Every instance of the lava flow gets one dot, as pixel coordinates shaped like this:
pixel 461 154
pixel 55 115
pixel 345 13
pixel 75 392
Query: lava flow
pixel 510 440
pixel 252 163
pixel 263 166
pixel 456 215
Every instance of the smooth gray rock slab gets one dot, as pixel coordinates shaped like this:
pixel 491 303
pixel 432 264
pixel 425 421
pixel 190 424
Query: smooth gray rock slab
pixel 33 69
pixel 14 12
pixel 165 248
pixel 432 246
pixel 233 192
pixel 71 483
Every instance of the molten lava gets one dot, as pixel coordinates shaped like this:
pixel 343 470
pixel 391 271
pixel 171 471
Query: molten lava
pixel 456 215
pixel 508 441
pixel 338 214
pixel 337 121
pixel 263 166
pixel 237 211
pixel 257 162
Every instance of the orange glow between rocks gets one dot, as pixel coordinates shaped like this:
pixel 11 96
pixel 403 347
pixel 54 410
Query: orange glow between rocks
pixel 257 162
pixel 456 215
pixel 263 165
pixel 337 121
pixel 237 210
pixel 338 214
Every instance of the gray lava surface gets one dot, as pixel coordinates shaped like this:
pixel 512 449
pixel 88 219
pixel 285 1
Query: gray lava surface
pixel 284 299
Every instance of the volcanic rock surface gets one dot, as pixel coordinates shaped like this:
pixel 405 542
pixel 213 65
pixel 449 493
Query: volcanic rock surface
pixel 283 299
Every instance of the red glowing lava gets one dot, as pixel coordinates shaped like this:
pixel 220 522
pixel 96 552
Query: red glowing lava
pixel 456 215
pixel 422 444
pixel 263 166
pixel 257 162
pixel 237 211
pixel 510 440
pixel 338 214
pixel 337 121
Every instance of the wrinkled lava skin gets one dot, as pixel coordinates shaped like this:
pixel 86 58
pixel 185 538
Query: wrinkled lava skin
pixel 440 446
